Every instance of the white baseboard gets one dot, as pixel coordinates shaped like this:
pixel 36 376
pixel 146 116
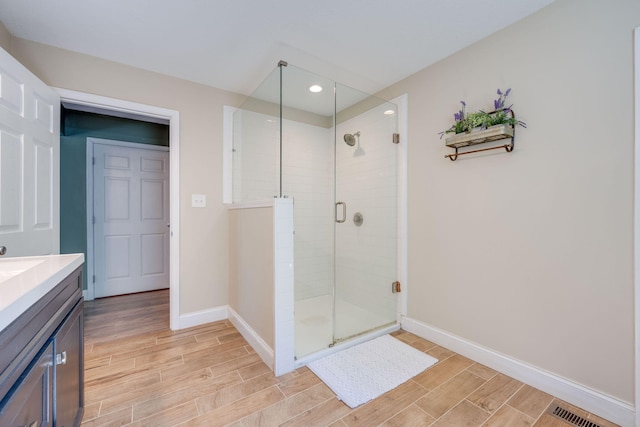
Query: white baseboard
pixel 201 317
pixel 259 345
pixel 619 412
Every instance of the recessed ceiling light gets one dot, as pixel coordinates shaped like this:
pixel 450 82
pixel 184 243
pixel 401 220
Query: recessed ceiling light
pixel 389 112
pixel 315 88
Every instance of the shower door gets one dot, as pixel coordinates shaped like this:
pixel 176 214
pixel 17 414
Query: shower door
pixel 366 211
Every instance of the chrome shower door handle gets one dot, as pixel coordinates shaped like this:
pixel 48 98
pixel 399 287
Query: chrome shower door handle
pixel 344 212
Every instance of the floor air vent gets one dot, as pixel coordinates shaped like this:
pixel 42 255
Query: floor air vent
pixel 572 418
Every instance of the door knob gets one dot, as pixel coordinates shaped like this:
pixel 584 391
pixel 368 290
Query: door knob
pixel 3 250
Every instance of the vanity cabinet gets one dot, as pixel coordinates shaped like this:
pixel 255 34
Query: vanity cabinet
pixel 41 360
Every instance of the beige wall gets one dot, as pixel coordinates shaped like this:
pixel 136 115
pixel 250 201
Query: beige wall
pixel 251 269
pixel 530 253
pixel 5 38
pixel 203 231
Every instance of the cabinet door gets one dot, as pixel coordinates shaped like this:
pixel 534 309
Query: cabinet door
pixel 68 389
pixel 30 403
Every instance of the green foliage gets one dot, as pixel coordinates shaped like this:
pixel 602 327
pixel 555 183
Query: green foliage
pixel 480 119
pixel 500 117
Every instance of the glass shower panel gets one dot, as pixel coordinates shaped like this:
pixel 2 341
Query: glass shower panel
pixel 256 139
pixel 366 228
pixel 344 266
pixel 308 135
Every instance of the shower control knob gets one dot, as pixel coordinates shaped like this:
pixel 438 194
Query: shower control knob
pixel 358 219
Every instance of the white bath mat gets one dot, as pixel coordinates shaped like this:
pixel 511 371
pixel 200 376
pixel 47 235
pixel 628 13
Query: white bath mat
pixel 365 371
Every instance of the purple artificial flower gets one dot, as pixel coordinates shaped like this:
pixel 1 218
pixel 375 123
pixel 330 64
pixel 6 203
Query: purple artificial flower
pixel 499 103
pixel 460 114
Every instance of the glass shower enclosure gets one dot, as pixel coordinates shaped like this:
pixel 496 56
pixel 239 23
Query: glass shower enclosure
pixel 333 150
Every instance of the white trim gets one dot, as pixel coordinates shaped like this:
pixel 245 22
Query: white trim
pixel 173 117
pixel 122 114
pixel 636 222
pixel 91 289
pixel 402 103
pixel 91 141
pixel 584 397
pixel 283 279
pixel 126 144
pixel 258 344
pixel 202 317
pixel 251 205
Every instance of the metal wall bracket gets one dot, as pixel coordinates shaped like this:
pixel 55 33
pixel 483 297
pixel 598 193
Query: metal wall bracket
pixel 396 138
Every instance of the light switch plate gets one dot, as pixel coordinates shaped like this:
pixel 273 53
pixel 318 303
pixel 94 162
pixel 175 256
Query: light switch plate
pixel 198 201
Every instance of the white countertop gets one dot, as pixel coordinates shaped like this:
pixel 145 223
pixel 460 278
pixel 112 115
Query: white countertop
pixel 24 280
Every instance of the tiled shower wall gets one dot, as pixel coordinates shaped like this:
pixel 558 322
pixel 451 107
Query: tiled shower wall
pixel 255 156
pixel 308 178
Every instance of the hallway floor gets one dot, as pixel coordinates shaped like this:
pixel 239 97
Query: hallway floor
pixel 140 373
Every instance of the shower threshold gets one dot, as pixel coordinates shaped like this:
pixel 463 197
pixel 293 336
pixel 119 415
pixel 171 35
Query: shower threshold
pixel 346 343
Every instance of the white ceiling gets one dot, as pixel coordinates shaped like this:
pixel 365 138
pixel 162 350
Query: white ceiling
pixel 235 44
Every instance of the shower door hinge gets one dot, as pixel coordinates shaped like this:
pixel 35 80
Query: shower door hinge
pixel 395 287
pixel 396 138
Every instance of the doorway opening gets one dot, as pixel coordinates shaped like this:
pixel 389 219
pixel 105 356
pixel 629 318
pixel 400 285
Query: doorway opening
pixel 111 107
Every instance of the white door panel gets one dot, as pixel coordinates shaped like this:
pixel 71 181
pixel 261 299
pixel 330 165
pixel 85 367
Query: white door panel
pixel 131 208
pixel 29 161
pixel 11 182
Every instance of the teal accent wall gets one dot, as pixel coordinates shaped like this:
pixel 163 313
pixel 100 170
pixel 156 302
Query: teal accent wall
pixel 75 128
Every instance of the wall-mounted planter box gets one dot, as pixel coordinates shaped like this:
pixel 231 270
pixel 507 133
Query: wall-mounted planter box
pixel 494 133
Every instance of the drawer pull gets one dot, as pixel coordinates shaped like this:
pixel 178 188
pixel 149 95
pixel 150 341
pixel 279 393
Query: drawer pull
pixel 61 359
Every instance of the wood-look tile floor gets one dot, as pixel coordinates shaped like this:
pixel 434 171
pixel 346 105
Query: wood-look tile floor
pixel 140 373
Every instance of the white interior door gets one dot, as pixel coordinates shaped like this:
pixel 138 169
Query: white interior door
pixel 29 162
pixel 131 219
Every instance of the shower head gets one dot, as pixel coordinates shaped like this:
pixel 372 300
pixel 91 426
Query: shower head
pixel 350 139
